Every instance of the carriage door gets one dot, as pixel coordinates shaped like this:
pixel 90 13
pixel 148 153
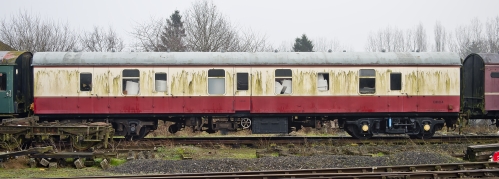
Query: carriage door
pixel 472 83
pixel 6 85
pixel 242 92
pixel 86 87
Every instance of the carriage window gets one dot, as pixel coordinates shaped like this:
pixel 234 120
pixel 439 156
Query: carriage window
pixel 323 81
pixel 494 74
pixel 395 81
pixel 85 81
pixel 242 81
pixel 216 81
pixel 283 81
pixel 160 84
pixel 130 82
pixel 367 81
pixel 3 81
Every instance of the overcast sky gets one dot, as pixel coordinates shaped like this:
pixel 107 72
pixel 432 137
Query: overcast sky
pixel 350 21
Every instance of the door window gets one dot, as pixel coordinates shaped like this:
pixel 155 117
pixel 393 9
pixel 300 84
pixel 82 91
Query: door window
pixel 216 81
pixel 283 81
pixel 160 84
pixel 395 81
pixel 242 81
pixel 130 83
pixel 494 75
pixel 323 81
pixel 3 81
pixel 85 81
pixel 367 81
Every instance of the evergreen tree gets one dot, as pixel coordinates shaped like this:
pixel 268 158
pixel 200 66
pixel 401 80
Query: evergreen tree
pixel 173 34
pixel 303 44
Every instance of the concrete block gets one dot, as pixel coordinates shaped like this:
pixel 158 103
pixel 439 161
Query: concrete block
pixel 105 164
pixel 79 164
pixel 44 162
pixel 52 165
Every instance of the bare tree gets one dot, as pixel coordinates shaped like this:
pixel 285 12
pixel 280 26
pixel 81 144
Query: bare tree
pixel 285 46
pixel 389 40
pixel 441 38
pixel 469 39
pixel 148 35
pixel 250 41
pixel 208 30
pixel 395 40
pixel 27 32
pixel 492 35
pixel 100 41
pixel 323 44
pixel 416 39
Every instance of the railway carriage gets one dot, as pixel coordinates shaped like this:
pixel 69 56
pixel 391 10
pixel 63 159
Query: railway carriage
pixel 16 79
pixel 368 93
pixel 480 86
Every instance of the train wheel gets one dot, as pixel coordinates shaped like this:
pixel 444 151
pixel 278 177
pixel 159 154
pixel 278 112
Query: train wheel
pixel 211 131
pixel 246 123
pixel 422 134
pixel 173 129
pixel 81 145
pixel 144 131
pixel 355 132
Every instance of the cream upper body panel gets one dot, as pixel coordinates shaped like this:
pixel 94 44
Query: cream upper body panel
pixel 196 81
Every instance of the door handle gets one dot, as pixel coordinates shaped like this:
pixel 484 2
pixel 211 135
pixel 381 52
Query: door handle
pixel 9 93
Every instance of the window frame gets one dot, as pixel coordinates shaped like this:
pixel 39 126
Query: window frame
pixel 216 77
pixel 360 76
pixel 91 81
pixel 125 78
pixel 166 79
pixel 283 77
pixel 396 73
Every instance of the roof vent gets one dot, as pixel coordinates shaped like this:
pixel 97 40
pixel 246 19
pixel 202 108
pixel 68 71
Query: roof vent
pixel 329 50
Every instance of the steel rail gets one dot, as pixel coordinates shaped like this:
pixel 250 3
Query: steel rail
pixel 304 140
pixel 414 171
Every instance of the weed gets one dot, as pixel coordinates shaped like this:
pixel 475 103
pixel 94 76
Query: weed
pixel 116 161
pixel 17 163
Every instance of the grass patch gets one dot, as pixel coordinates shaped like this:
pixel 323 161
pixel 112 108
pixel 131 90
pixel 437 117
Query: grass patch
pixel 116 161
pixel 46 173
pixel 216 152
pixel 379 154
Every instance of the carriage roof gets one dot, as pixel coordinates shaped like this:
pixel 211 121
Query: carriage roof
pixel 244 58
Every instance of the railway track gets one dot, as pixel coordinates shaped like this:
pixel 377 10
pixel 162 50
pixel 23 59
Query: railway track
pixel 279 140
pixel 457 170
pixel 149 143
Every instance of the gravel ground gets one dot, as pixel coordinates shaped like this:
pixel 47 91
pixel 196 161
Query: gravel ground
pixel 279 163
